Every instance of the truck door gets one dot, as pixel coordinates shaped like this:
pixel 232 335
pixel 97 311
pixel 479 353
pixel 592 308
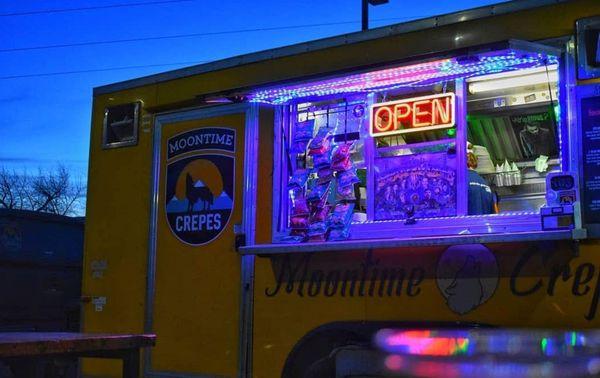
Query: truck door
pixel 194 280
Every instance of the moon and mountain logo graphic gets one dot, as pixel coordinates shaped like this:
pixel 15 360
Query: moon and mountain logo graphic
pixel 200 186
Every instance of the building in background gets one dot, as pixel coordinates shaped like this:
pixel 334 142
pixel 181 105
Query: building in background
pixel 40 271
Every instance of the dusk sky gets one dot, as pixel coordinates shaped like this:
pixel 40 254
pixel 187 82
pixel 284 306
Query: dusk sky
pixel 46 93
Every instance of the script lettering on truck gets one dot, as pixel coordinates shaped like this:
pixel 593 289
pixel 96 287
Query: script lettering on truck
pixel 413 114
pixel 467 277
pixel 200 186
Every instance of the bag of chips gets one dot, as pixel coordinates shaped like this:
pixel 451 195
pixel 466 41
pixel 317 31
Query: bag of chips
pixel 341 215
pixel 325 175
pixel 339 234
pixel 318 232
pixel 342 165
pixel 319 193
pixel 322 160
pixel 340 161
pixel 317 227
pixel 319 213
pixel 290 239
pixel 345 193
pixel 299 232
pixel 347 178
pixel 300 206
pixel 341 153
pixel 316 238
pixel 304 130
pixel 299 147
pixel 299 221
pixel 325 147
pixel 298 179
pixel 321 142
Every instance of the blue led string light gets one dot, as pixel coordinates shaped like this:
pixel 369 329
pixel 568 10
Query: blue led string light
pixel 415 75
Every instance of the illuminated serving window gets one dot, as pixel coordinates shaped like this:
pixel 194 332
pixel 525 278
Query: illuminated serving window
pixel 454 146
pixel 513 127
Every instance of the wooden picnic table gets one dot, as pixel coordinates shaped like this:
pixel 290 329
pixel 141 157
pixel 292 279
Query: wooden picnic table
pixel 17 345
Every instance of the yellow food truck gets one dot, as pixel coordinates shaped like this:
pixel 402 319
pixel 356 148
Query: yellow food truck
pixel 259 213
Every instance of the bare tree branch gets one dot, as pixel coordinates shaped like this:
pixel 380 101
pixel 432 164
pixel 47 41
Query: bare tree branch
pixel 51 192
pixel 9 188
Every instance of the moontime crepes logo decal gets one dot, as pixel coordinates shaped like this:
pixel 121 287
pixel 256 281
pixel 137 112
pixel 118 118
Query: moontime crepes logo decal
pixel 200 183
pixel 467 276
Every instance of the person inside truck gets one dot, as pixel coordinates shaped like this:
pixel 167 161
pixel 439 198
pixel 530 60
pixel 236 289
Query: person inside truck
pixel 480 196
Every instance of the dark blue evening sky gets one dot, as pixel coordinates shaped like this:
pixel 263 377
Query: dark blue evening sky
pixel 46 119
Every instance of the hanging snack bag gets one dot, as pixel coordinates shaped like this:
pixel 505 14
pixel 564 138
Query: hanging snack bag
pixel 347 178
pixel 299 232
pixel 319 193
pixel 318 232
pixel 339 234
pixel 304 130
pixel 324 147
pixel 298 179
pixel 341 215
pixel 345 193
pixel 325 175
pixel 319 213
pixel 340 161
pixel 317 228
pixel 291 238
pixel 315 238
pixel 341 153
pixel 299 222
pixel 302 135
pixel 299 147
pixel 300 206
pixel 322 160
pixel 342 165
pixel 321 143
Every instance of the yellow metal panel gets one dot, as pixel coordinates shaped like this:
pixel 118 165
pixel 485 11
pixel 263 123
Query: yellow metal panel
pixel 117 229
pixel 197 294
pixel 535 24
pixel 281 318
pixel 516 285
pixel 264 205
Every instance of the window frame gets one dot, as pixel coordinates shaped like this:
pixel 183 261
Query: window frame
pixel 136 112
pixel 518 223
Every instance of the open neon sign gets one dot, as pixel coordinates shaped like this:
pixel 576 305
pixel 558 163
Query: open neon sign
pixel 413 114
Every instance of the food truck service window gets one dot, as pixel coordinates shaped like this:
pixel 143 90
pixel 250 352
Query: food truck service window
pixel 453 146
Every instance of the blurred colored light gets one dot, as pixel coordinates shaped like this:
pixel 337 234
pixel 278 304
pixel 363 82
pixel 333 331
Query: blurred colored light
pixel 424 343
pixel 544 343
pixel 593 366
pixel 393 362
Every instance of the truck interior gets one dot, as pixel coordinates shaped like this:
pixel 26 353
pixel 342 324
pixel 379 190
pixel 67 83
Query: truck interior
pixel 502 106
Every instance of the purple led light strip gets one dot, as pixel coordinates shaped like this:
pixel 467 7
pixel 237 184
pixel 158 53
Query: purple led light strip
pixel 421 74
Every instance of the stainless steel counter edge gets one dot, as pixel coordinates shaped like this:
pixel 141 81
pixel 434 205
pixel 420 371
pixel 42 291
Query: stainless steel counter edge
pixel 353 245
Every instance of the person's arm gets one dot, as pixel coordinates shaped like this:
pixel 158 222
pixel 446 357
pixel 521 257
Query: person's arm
pixel 496 202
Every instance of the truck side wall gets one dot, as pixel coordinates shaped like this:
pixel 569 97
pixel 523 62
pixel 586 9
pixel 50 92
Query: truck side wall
pixel 117 230
pixel 119 180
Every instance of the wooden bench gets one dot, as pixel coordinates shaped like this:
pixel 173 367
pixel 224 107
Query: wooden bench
pixel 31 345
